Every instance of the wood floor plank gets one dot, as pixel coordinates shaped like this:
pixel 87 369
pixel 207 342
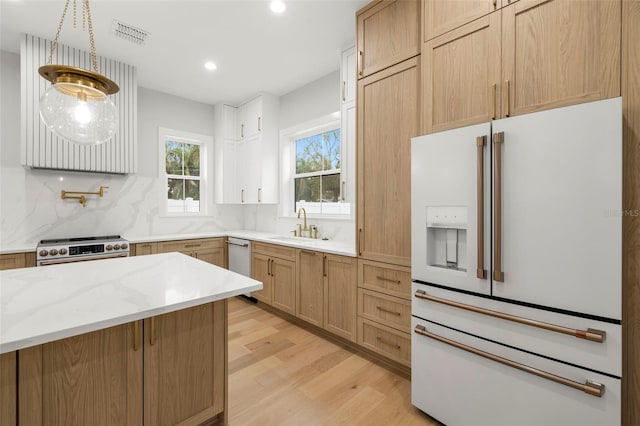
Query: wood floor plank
pixel 284 375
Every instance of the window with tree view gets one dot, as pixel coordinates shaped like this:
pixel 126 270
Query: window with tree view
pixel 317 173
pixel 182 167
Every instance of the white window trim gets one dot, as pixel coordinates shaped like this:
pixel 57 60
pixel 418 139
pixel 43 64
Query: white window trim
pixel 206 146
pixel 288 156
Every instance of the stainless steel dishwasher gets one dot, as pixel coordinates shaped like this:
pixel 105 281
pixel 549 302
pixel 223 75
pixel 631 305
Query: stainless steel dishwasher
pixel 240 258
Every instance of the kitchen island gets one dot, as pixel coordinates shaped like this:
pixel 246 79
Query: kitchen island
pixel 135 340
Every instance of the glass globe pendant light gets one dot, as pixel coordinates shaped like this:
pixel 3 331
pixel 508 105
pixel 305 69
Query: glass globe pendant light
pixel 76 107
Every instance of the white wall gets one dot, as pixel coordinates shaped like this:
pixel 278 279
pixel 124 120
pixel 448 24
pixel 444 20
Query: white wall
pixel 317 99
pixel 30 204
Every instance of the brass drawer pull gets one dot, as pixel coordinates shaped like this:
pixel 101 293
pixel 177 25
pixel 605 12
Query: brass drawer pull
pixel 152 331
pixel 381 309
pixel 381 278
pixel 192 245
pixel 312 253
pixel 387 342
pixel 590 334
pixel 136 335
pixel 592 388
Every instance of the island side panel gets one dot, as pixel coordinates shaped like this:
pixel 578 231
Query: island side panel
pixel 8 389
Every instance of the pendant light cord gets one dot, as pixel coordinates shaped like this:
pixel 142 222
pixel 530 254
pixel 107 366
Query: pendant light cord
pixel 86 17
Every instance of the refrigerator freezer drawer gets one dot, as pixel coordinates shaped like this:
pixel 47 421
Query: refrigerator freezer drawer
pixel 459 387
pixel 533 335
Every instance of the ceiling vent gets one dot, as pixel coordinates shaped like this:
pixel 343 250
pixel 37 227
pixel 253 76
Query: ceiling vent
pixel 129 32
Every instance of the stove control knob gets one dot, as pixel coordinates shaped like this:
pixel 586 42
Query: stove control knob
pixel 124 246
pixel 109 247
pixel 116 247
pixel 53 252
pixel 63 251
pixel 43 253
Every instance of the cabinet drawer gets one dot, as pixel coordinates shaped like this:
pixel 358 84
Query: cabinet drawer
pixel 551 342
pixel 384 309
pixel 190 245
pixel 389 279
pixel 12 261
pixel 386 341
pixel 283 252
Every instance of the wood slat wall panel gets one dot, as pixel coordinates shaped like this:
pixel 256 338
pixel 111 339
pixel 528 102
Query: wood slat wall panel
pixel 41 148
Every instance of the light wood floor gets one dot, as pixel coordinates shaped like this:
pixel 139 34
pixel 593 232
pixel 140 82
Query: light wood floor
pixel 281 374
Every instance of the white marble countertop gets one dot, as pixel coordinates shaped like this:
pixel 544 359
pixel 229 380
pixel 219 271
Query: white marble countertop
pixel 40 305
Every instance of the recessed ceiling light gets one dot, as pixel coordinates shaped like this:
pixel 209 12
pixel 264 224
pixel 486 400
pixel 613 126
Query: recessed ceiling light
pixel 211 66
pixel 277 6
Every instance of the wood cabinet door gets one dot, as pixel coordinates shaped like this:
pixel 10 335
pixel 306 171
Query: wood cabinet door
pixel 261 271
pixel 310 306
pixel 181 378
pixel 388 32
pixel 388 117
pixel 142 249
pixel 443 16
pixel 283 294
pixel 8 389
pixel 340 294
pixel 558 53
pixel 215 256
pixel 12 261
pixel 461 84
pixel 90 379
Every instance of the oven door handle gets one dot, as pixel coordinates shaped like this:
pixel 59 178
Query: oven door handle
pixel 590 387
pixel 79 259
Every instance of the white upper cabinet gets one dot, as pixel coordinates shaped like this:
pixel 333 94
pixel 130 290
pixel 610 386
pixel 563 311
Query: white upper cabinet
pixel 250 118
pixel 247 152
pixel 348 75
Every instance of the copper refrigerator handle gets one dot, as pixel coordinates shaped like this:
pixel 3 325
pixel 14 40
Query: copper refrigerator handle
pixel 480 271
pixel 590 387
pixel 591 334
pixel 506 98
pixel 498 139
pixel 493 101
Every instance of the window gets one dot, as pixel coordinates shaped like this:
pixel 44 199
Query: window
pixel 182 158
pixel 316 178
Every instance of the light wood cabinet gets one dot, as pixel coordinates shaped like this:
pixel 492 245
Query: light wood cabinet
pixel 387 310
pixel 17 260
pixel 184 361
pixel 384 278
pixel 388 32
pixel 559 52
pixel 275 266
pixel 177 372
pixel 8 389
pixel 340 295
pixel 327 286
pixel 94 378
pixel 388 117
pixel 211 250
pixel 142 249
pixel 462 75
pixel 529 56
pixel 384 340
pixel 443 16
pixel 310 306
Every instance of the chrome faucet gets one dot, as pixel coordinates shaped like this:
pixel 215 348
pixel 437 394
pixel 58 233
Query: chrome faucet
pixel 305 219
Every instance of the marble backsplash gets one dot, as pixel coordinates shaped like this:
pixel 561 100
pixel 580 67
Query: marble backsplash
pixel 32 208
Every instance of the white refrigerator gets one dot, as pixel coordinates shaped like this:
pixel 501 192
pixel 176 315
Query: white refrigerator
pixel 516 268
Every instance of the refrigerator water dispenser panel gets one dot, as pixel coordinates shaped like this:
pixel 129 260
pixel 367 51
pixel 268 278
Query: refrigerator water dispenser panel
pixel 446 235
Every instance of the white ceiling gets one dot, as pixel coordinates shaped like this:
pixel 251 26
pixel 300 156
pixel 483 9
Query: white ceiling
pixel 254 49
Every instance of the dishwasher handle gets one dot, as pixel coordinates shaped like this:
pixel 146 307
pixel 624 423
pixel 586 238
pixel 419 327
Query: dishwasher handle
pixel 237 244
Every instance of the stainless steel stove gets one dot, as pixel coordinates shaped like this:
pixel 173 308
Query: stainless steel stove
pixel 66 250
